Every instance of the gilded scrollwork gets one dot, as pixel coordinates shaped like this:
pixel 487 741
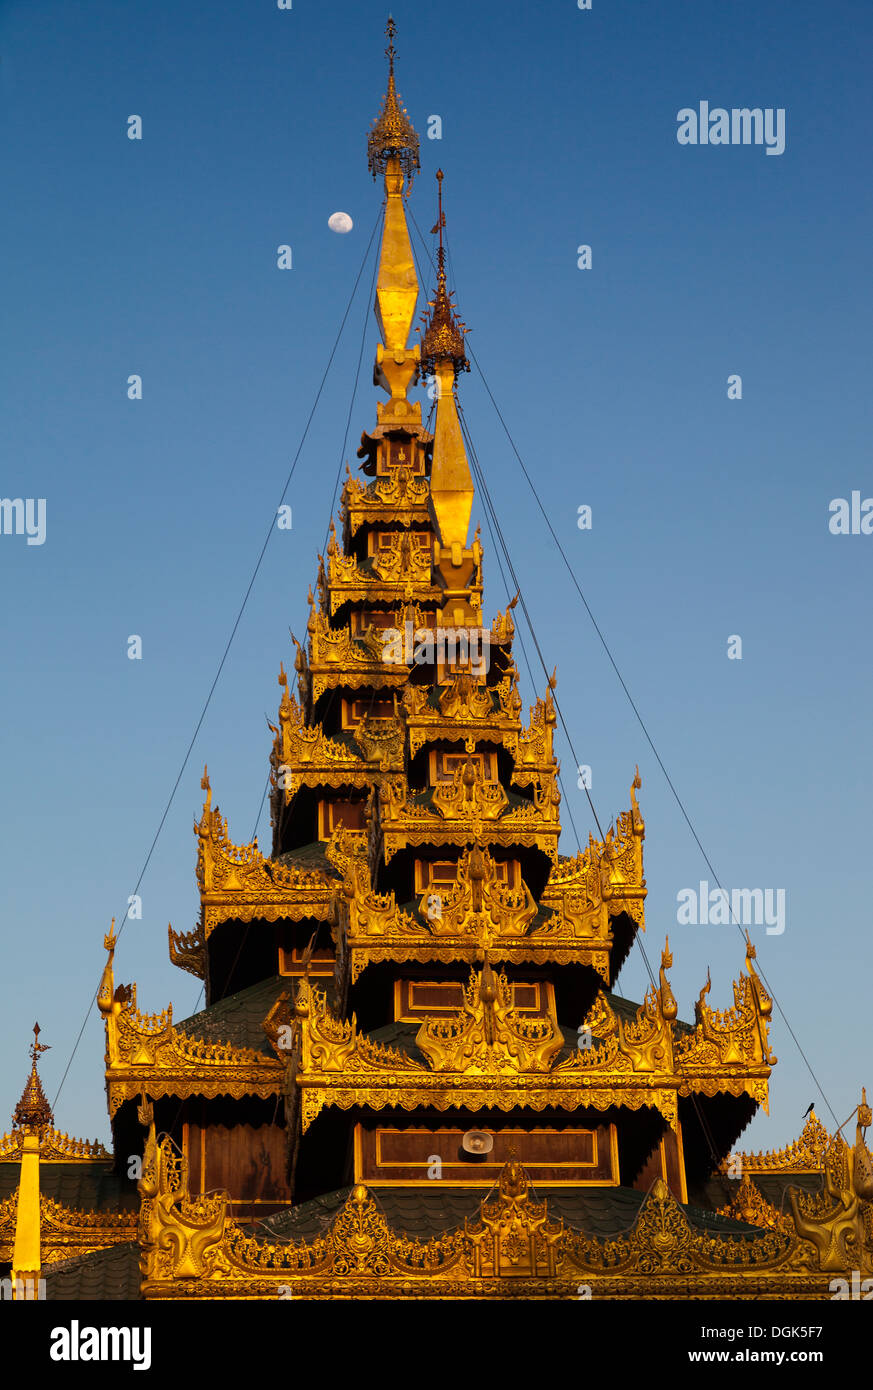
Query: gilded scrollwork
pixel 803 1155
pixel 489 1035
pixel 188 950
pixel 238 882
pixel 478 905
pixel 146 1052
pixel 402 494
pixel 514 1247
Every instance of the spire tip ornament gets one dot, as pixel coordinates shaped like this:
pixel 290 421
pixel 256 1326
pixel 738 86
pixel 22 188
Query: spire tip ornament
pixel 392 136
pixel 442 342
pixel 33 1110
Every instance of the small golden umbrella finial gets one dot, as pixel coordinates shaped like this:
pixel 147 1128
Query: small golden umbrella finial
pixel 392 136
pixel 443 338
pixel 33 1110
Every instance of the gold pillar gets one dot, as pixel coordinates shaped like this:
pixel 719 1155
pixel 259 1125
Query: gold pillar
pixel 26 1254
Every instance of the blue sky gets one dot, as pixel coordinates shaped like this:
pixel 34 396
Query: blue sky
pixel 710 516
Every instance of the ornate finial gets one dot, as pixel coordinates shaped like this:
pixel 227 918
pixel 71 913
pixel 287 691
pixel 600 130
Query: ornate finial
pixel 512 1183
pixel 701 1001
pixel 205 787
pixel 33 1110
pixel 36 1047
pixel 669 1007
pixel 488 995
pixel 441 220
pixel 392 135
pixel 636 815
pixel 443 339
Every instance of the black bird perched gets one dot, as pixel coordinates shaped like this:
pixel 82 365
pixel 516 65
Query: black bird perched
pixel 809 1109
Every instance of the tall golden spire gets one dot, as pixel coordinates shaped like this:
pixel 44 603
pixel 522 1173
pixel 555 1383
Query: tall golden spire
pixel 33 1110
pixel 392 150
pixel 451 484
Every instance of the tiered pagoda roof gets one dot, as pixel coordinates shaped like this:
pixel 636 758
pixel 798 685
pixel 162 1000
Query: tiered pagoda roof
pixel 413 993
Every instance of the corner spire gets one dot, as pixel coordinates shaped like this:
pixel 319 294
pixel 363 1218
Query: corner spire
pixel 443 339
pixel 451 483
pixel 33 1110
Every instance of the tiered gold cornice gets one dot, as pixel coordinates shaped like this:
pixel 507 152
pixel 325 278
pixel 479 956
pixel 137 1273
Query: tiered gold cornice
pixel 459 807
pixel 479 913
pixel 146 1053
pixel 401 496
pixel 470 712
pixel 401 573
pixel 490 1055
pixel 238 883
pixel 738 1037
pixel 333 1064
pixel 304 756
pixel 337 660
pixel 726 1053
pixel 467 809
pixel 606 879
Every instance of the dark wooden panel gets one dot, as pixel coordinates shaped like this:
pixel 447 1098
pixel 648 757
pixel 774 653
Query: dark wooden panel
pixel 335 812
pixel 443 873
pixel 389 1156
pixel 291 961
pixel 246 1160
pixel 416 1000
